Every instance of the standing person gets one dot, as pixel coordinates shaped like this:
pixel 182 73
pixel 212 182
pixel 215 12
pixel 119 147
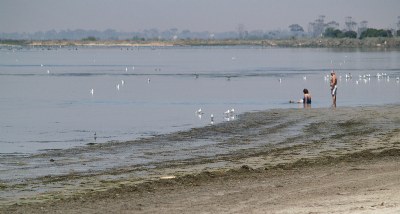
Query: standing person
pixel 333 87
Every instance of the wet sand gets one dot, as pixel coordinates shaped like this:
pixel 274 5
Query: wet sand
pixel 276 161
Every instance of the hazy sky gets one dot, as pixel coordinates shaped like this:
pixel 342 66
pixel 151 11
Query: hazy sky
pixel 194 15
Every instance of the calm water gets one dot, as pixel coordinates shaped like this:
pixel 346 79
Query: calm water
pixel 45 99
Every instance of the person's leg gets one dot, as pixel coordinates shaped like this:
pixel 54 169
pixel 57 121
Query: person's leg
pixel 334 101
pixel 334 91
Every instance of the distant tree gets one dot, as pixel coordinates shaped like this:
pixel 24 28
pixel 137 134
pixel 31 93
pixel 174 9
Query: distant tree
pixel 398 24
pixel 296 28
pixel 398 33
pixel 242 31
pixel 317 27
pixel 362 27
pixel 350 34
pixel 174 32
pixel 151 33
pixel 110 34
pixel 388 33
pixel 332 24
pixel 333 33
pixel 256 34
pixel 350 23
pixel 137 38
pixel 185 34
pixel 336 33
pixel 51 34
pixel 371 32
pixel 89 39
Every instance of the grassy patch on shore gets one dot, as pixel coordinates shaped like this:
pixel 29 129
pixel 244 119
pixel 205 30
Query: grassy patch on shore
pixel 14 42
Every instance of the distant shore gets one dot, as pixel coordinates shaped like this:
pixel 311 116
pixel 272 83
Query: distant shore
pixel 298 43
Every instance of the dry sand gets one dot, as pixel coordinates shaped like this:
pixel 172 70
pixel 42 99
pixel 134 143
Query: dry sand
pixel 343 160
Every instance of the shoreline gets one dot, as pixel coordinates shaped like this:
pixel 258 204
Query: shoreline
pixel 360 182
pixel 378 42
pixel 259 142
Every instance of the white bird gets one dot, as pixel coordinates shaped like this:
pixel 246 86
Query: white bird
pixel 117 86
pixel 133 68
pixel 92 91
pixel 304 78
pixel 199 111
pixel 126 69
pixel 230 114
pixel 41 65
pixel 212 119
pixel 280 80
pixel 122 82
pixel 230 111
pixel 48 71
pixel 229 118
pixel 148 80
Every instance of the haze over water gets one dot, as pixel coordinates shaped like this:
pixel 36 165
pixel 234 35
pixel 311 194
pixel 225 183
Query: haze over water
pixel 45 99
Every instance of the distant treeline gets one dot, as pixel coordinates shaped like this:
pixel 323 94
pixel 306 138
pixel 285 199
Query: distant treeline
pixel 316 29
pixel 369 32
pixel 147 35
pixel 174 34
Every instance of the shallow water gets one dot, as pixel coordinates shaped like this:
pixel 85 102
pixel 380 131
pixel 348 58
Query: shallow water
pixel 45 99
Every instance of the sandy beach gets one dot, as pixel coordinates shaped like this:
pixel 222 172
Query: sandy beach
pixel 321 160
